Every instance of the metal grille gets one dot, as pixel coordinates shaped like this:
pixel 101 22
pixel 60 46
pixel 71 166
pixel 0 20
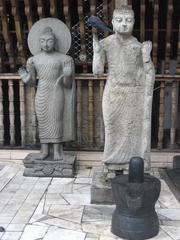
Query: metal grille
pixel 76 40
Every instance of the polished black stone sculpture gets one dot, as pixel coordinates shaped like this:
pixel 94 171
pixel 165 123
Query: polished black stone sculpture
pixel 135 196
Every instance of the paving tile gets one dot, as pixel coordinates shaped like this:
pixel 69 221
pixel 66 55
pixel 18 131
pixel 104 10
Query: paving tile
pixel 77 199
pixel 6 175
pixel 32 232
pixel 161 236
pixel 97 213
pixel 166 198
pixel 170 223
pixel 81 188
pixel 55 233
pixel 11 236
pixel 27 209
pixel 83 173
pixel 92 236
pixel 15 227
pixel 169 214
pixel 108 237
pixel 173 232
pixel 67 212
pixel 63 224
pixel 83 180
pixel 101 227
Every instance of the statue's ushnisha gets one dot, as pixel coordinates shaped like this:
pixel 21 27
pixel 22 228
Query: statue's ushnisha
pixel 127 99
pixel 49 40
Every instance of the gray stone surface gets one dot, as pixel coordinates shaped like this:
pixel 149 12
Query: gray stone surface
pixel 49 167
pixel 49 40
pixel 101 191
pixel 127 98
pixel 32 208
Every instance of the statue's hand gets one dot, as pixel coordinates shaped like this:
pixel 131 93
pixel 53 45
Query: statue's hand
pixel 25 76
pixel 67 68
pixel 30 63
pixel 96 44
pixel 146 51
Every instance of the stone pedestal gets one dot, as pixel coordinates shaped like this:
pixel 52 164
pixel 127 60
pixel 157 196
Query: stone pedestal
pixel 101 191
pixel 49 167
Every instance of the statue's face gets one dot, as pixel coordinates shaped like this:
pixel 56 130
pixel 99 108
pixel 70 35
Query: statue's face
pixel 123 23
pixel 47 42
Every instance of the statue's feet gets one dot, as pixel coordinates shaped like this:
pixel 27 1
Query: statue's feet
pixel 58 156
pixel 42 156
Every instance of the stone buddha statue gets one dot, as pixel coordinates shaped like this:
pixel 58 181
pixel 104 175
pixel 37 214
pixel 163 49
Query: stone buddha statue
pixel 127 99
pixel 49 40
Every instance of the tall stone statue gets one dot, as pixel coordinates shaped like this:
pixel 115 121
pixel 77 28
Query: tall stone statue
pixel 49 40
pixel 127 99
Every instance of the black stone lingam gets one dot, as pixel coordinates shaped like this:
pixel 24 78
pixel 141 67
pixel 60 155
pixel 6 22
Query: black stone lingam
pixel 135 196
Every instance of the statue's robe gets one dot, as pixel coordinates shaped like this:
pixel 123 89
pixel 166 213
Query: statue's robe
pixel 127 100
pixel 54 102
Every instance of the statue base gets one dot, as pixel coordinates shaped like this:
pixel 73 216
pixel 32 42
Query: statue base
pixel 101 191
pixel 49 167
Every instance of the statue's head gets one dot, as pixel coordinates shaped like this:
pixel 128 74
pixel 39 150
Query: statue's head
pixel 47 40
pixel 123 20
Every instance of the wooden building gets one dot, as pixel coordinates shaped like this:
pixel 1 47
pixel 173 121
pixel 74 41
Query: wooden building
pixel 156 20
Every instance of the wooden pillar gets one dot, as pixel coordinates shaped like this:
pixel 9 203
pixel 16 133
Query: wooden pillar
pixel 168 36
pixel 119 3
pixel 18 29
pixel 53 8
pixel 155 33
pixel 11 112
pixel 90 113
pixel 40 8
pixel 66 13
pixel 142 20
pixel 105 14
pixel 178 53
pixel 28 12
pixel 1 116
pixel 7 35
pixel 79 112
pixel 82 32
pixel 161 115
pixel 22 112
pixel 173 114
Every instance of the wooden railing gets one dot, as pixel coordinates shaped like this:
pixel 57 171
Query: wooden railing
pixel 16 116
pixel 156 20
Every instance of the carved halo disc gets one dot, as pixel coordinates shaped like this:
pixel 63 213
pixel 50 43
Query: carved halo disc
pixel 60 30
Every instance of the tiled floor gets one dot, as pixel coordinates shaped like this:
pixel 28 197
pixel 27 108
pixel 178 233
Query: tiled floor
pixel 60 209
